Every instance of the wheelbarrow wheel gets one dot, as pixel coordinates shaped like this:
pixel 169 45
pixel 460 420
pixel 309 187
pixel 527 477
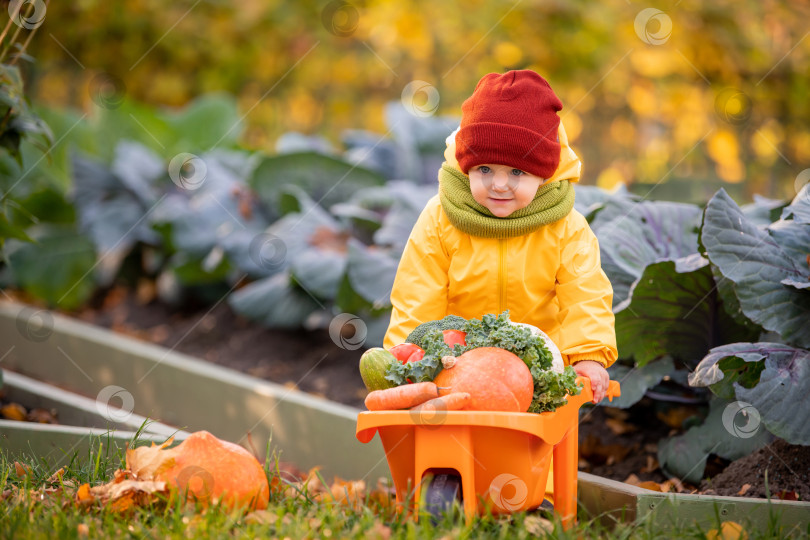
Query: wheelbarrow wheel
pixel 442 492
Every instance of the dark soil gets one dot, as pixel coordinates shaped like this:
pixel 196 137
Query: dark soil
pixel 614 443
pixel 309 361
pixel 782 467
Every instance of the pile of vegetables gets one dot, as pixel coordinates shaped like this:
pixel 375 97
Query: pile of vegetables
pixel 499 363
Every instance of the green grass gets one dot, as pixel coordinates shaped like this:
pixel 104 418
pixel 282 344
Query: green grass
pixel 293 514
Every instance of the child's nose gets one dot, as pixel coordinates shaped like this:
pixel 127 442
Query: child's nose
pixel 501 181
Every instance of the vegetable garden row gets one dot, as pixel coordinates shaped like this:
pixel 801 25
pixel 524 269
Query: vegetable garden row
pixel 710 299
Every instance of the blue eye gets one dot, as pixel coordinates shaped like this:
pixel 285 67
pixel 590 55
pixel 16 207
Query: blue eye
pixel 484 169
pixel 517 172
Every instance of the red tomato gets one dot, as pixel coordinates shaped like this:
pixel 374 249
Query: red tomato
pixel 454 337
pixel 407 352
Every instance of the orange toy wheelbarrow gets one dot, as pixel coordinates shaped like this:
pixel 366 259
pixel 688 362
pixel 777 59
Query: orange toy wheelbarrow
pixel 501 458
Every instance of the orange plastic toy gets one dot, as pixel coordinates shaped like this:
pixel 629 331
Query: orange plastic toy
pixel 502 458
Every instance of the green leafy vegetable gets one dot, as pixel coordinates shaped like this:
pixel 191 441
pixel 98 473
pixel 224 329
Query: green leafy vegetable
pixel 550 387
pixel 451 322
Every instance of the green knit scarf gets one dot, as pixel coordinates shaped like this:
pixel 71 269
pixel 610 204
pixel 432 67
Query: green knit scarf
pixel 551 203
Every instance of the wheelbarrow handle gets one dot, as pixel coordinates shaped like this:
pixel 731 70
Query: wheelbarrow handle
pixel 613 389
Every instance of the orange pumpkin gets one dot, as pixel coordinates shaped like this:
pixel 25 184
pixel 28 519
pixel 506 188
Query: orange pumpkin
pixel 496 379
pixel 206 468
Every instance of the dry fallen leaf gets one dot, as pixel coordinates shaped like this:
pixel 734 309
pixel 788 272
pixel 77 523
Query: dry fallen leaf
pixel 146 462
pixel 786 495
pixel 21 469
pixel 261 517
pixel 379 531
pixel 55 477
pixel 674 417
pixel 145 292
pixel 538 526
pixel 597 453
pixel 82 529
pixel 83 495
pixel 13 411
pixel 634 480
pixel 619 427
pixel 128 493
pixel 42 416
pixel 652 464
pixel 729 530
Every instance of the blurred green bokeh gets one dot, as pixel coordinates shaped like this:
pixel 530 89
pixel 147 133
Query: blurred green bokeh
pixel 675 99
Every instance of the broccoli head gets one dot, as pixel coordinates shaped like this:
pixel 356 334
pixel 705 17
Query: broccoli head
pixel 451 322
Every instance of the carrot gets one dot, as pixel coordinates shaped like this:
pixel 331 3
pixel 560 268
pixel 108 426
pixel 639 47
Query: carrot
pixel 454 401
pixel 401 397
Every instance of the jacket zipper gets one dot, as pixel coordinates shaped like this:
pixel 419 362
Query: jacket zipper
pixel 501 275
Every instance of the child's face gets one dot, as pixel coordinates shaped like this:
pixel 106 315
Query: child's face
pixel 503 189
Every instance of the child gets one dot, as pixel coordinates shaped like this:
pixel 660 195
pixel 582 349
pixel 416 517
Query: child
pixel 502 232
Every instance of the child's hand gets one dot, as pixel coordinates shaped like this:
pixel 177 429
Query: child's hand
pixel 597 374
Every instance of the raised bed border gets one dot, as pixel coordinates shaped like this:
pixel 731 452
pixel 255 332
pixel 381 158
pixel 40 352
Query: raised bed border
pixel 84 359
pixel 308 430
pixel 79 411
pixel 57 444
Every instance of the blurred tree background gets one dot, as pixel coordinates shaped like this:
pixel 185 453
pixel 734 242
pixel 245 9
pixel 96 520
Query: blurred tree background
pixel 679 97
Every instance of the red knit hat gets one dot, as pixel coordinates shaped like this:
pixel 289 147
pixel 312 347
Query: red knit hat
pixel 511 119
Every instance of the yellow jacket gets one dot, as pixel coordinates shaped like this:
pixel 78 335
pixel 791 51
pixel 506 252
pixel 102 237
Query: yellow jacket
pixel 551 278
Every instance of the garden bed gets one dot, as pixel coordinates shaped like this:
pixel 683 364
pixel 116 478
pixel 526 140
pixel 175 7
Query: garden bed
pixel 615 444
pixel 309 431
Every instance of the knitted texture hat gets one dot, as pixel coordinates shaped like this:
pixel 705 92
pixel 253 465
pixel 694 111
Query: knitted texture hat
pixel 510 119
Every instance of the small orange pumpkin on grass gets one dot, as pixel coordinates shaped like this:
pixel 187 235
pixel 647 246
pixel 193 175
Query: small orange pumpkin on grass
pixel 208 469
